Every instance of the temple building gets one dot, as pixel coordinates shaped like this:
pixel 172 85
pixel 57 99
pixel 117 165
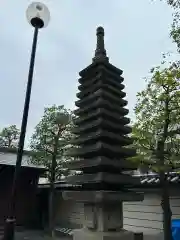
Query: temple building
pixel 27 188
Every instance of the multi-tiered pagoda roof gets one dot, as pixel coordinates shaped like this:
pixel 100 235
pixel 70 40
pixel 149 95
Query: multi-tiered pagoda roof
pixel 101 149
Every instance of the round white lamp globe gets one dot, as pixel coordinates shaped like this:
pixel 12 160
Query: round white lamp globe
pixel 38 15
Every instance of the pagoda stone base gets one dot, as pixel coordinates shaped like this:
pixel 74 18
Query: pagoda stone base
pixel 86 234
pixel 103 214
pixel 103 217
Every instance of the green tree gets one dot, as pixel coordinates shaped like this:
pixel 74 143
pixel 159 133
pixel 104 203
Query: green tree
pixel 49 142
pixel 52 135
pixel 9 136
pixel 156 105
pixel 157 121
pixel 175 30
pixel 175 27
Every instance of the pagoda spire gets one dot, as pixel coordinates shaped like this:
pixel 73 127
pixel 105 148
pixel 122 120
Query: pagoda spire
pixel 100 52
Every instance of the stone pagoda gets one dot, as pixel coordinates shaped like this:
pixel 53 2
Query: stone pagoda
pixel 100 150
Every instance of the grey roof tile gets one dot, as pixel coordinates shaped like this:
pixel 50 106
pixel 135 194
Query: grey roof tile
pixel 8 157
pixel 154 179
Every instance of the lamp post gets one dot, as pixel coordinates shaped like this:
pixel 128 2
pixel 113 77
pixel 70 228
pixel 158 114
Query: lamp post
pixel 38 16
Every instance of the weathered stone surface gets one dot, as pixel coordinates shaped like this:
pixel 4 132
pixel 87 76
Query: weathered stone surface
pixel 102 196
pixel 102 217
pixel 101 127
pixel 101 149
pixel 103 177
pixel 100 163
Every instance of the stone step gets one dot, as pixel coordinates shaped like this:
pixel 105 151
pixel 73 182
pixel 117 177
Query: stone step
pixel 59 231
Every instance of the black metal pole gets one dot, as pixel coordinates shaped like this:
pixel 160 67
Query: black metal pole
pixel 11 219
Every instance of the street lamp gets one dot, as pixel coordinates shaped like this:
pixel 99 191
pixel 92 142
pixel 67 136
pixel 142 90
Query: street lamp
pixel 38 16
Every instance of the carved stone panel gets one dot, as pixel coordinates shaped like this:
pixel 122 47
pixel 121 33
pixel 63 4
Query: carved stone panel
pixel 110 217
pixel 114 218
pixel 90 216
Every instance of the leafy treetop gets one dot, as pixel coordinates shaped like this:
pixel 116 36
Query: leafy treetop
pixel 51 138
pixel 157 107
pixel 9 136
pixel 175 28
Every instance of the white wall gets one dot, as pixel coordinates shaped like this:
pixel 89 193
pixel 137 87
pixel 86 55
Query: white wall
pixel 147 215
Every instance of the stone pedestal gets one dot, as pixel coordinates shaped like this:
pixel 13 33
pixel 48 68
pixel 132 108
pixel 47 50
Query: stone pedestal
pixel 103 214
pixel 86 234
pixel 103 221
pixel 103 217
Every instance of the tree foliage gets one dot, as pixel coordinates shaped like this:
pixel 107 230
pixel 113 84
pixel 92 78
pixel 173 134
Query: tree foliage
pixel 158 104
pixel 51 138
pixel 9 136
pixel 175 29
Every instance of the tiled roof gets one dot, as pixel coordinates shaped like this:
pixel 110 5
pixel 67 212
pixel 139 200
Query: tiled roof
pixel 8 157
pixel 154 179
pixel 146 180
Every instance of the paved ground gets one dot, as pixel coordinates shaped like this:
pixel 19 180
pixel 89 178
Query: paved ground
pixel 41 236
pixel 154 237
pixel 35 236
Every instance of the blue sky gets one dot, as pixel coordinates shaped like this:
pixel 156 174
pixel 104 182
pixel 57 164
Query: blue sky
pixel 136 34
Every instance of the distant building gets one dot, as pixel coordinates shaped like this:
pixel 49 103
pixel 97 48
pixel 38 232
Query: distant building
pixel 26 206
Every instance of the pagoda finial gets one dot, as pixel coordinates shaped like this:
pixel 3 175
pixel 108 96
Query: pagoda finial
pixel 100 52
